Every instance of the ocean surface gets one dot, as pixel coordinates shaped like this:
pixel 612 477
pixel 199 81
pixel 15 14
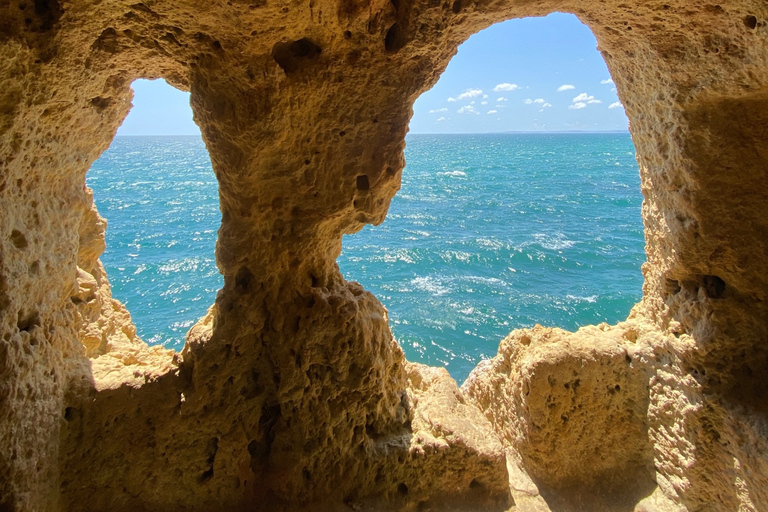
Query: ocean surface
pixel 487 234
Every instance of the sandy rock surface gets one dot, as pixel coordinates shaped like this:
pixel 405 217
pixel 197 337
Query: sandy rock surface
pixel 291 393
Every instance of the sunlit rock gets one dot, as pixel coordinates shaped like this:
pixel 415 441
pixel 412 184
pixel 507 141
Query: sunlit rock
pixel 291 392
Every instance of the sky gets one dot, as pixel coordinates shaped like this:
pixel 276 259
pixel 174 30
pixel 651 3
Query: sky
pixel 158 109
pixel 531 74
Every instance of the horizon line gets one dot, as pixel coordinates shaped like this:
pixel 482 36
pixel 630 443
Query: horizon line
pixel 510 132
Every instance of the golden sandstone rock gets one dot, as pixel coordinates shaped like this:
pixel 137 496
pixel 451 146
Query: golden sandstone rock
pixel 291 393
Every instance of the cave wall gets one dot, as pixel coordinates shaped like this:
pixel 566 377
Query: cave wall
pixel 291 391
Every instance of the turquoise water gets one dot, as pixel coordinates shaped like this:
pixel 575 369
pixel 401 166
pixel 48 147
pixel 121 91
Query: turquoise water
pixel 488 233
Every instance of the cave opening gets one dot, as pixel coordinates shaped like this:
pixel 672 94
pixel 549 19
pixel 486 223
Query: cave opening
pixel 520 200
pixel 157 190
pixel 294 390
pixel 519 205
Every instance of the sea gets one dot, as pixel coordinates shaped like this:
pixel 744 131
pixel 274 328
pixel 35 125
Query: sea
pixel 488 233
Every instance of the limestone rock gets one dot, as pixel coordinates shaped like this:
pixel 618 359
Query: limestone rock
pixel 572 409
pixel 291 393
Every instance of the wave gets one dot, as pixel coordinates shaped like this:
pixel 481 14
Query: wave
pixel 430 285
pixel 592 299
pixel 556 242
pixel 453 173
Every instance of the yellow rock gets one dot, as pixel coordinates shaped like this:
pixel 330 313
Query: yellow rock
pixel 291 392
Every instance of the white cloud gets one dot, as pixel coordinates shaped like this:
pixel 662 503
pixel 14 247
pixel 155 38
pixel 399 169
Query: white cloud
pixel 506 86
pixel 608 81
pixel 565 87
pixel 583 97
pixel 467 109
pixel 484 102
pixel 485 96
pixel 493 112
pixel 440 119
pixel 470 93
pixel 529 101
pixel 471 102
pixel 435 111
pixel 451 100
pixel 501 98
pixel 546 105
pixel 582 100
pixel 539 101
pixel 616 105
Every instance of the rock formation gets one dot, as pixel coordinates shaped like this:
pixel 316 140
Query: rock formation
pixel 291 392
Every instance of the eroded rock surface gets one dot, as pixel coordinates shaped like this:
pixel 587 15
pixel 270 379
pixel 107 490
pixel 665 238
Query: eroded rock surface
pixel 291 392
pixel 573 410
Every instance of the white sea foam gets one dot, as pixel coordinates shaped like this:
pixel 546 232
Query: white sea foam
pixel 485 280
pixel 398 255
pixel 591 299
pixel 429 284
pixel 452 173
pixel 490 243
pixel 456 255
pixel 553 242
pixel 186 324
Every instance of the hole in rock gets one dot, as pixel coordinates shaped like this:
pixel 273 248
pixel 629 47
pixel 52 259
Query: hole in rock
pixel 714 287
pixel 26 322
pixel 291 56
pixel 520 200
pixel 156 188
pixel 395 38
pixel 18 239
pixel 362 183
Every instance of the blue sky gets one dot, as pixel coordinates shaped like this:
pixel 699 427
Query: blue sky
pixel 158 109
pixel 531 74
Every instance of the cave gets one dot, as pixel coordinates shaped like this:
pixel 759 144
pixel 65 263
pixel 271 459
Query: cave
pixel 290 394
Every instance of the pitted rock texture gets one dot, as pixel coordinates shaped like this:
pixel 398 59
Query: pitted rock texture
pixel 573 410
pixel 291 392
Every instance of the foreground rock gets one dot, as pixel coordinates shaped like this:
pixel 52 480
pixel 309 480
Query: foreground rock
pixel 573 412
pixel 291 392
